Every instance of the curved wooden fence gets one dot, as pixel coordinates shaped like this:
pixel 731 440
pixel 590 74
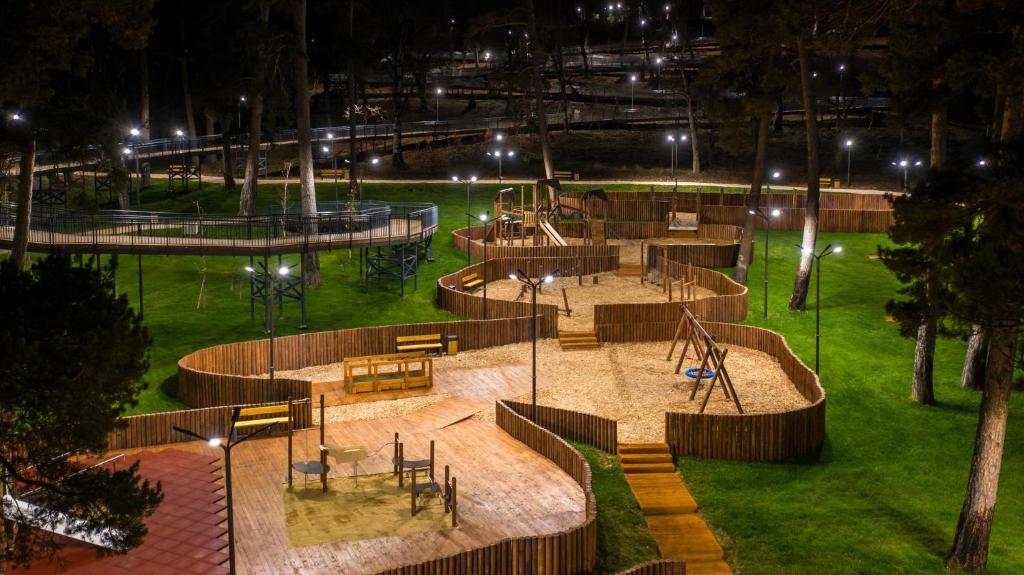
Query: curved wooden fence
pixel 601 432
pixel 660 567
pixel 233 373
pixel 658 321
pixel 792 219
pixel 569 552
pixel 496 250
pixel 451 297
pixel 758 436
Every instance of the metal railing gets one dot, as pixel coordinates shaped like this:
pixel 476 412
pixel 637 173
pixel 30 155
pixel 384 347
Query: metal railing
pixel 370 224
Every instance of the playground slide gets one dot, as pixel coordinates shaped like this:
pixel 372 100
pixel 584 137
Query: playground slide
pixel 552 234
pixel 24 512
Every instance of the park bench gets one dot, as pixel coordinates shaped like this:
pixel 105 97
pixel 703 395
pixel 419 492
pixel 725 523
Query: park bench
pixel 425 343
pixel 376 373
pixel 471 282
pixel 566 175
pixel 255 417
pixel 334 173
pixel 827 182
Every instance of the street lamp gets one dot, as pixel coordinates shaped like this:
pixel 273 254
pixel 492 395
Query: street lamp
pixel 334 167
pixel 632 84
pixel 484 219
pixel 674 142
pixel 226 446
pixel 241 102
pixel 533 285
pixel 469 208
pixel 264 275
pixel 437 105
pixel 774 176
pixel 134 133
pixel 827 251
pixel 498 153
pixel 849 152
pixel 905 165
pixel 767 227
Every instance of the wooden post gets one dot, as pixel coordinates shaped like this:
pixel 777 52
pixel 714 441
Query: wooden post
pixel 455 504
pixel 431 460
pixel 565 298
pixel 643 271
pixel 323 448
pixel 447 489
pixel 401 464
pixel 412 491
pixel 394 457
pixel 289 442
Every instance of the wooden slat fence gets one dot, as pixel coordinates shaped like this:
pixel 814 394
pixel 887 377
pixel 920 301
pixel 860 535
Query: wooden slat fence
pixel 569 552
pixel 659 567
pixel 600 432
pixel 496 250
pixel 760 436
pixel 732 196
pixel 239 367
pixel 155 428
pixel 658 321
pixel 792 219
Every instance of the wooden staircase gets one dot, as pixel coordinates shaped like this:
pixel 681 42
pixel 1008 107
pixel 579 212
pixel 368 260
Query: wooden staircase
pixel 578 339
pixel 670 510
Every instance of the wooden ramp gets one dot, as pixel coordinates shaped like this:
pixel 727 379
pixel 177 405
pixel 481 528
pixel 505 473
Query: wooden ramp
pixel 670 510
pixel 578 339
pixel 630 270
pixel 552 234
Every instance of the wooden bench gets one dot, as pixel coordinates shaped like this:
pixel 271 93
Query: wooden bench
pixel 471 282
pixel 566 175
pixel 376 373
pixel 334 173
pixel 262 416
pixel 423 343
pixel 827 182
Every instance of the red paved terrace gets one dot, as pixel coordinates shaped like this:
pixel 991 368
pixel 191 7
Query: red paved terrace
pixel 186 533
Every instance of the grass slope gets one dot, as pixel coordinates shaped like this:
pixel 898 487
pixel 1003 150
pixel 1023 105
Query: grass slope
pixel 886 493
pixel 623 539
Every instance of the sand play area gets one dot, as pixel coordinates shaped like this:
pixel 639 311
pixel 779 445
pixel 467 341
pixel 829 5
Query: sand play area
pixel 630 382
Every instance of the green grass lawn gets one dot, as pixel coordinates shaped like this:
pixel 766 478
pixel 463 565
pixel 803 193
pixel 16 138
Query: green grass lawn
pixel 886 493
pixel 623 539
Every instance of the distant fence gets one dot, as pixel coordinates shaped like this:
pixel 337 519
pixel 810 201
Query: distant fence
pixel 600 432
pixel 569 552
pixel 451 297
pixel 234 373
pixel 689 201
pixel 497 250
pixel 758 436
pixel 792 219
pixel 658 321
pixel 155 428
pixel 660 567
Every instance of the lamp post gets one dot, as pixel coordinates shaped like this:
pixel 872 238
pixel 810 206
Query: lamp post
pixel 437 105
pixel 827 251
pixel 498 153
pixel 632 84
pixel 774 176
pixel 241 102
pixel 849 153
pixel 674 142
pixel 134 133
pixel 469 236
pixel 226 446
pixel 484 219
pixel 767 228
pixel 905 165
pixel 334 167
pixel 533 285
pixel 264 275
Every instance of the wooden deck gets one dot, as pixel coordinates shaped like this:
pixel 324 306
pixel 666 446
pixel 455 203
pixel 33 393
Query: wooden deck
pixel 505 489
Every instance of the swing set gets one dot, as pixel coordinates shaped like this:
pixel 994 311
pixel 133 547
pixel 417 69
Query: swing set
pixel 712 360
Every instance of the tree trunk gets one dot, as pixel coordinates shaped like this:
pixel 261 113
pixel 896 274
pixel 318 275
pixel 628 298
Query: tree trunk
pixel 144 126
pixel 691 118
pixel 973 374
pixel 937 157
pixel 353 183
pixel 754 202
pixel 923 391
pixel 307 187
pixel 970 544
pixel 798 300
pixel 247 199
pixel 24 216
pixel 779 117
pixel 190 116
pixel 227 153
pixel 120 178
pixel 1011 118
pixel 583 51
pixel 560 68
pixel 538 89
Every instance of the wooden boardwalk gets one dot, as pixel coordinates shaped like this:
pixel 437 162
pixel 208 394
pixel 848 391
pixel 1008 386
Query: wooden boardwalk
pixel 670 510
pixel 505 489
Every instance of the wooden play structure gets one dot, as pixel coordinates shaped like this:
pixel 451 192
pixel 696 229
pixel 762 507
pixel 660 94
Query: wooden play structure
pixel 517 219
pixel 712 360
pixel 422 479
pixel 387 372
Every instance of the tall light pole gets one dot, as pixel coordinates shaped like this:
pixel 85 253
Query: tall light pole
pixel 632 84
pixel 469 208
pixel 241 102
pixel 774 176
pixel 533 285
pixel 484 219
pixel 226 446
pixel 437 105
pixel 767 228
pixel 905 165
pixel 674 142
pixel 264 275
pixel 499 153
pixel 134 133
pixel 849 153
pixel 840 107
pixel 334 167
pixel 827 251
